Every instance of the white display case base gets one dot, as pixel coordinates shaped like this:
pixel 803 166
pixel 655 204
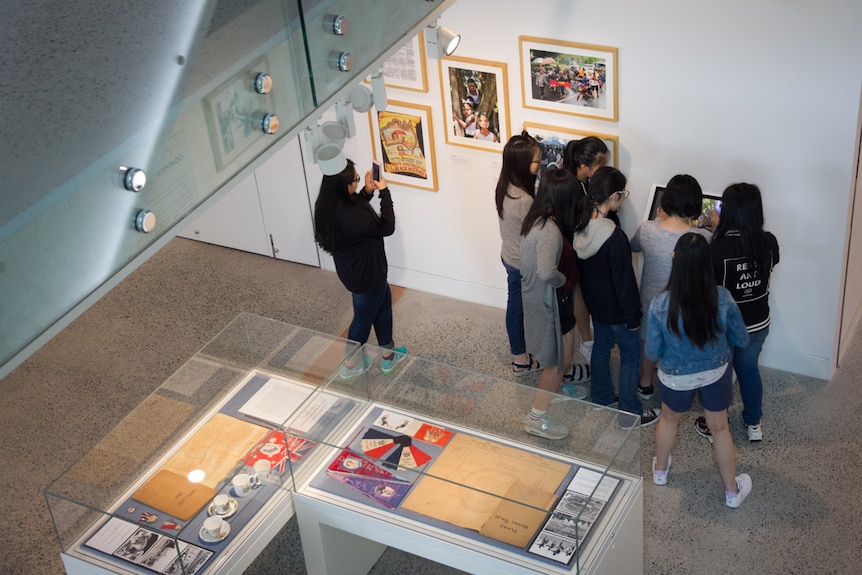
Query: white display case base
pixel 341 541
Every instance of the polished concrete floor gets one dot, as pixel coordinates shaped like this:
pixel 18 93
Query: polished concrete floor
pixel 803 516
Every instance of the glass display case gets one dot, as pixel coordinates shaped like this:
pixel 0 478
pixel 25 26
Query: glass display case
pixel 434 460
pixel 198 478
pixel 269 419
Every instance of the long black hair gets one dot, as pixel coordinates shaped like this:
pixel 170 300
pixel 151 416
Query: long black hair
pixel 583 152
pixel 604 183
pixel 516 170
pixel 556 199
pixel 334 194
pixel 742 211
pixel 693 294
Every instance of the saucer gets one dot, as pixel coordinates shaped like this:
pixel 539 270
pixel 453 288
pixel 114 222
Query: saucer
pixel 207 538
pixel 232 506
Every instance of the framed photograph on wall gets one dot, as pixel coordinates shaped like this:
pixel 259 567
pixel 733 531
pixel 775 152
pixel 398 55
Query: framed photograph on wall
pixel 554 140
pixel 230 112
pixel 569 78
pixel 403 143
pixel 405 69
pixel 475 103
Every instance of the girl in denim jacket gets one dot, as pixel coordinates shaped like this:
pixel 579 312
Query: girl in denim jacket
pixel 691 329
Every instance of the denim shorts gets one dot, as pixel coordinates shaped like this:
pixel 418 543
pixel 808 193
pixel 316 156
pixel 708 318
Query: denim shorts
pixel 713 397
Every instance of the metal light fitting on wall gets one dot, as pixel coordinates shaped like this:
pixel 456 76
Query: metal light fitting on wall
pixel 440 41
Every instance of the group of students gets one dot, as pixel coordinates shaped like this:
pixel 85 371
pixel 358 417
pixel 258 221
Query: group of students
pixel 704 294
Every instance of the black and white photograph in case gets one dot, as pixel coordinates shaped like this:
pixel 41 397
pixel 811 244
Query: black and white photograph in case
pixel 580 505
pixel 579 508
pixel 162 554
pixel 568 526
pixel 137 545
pixel 569 78
pixel 191 559
pixel 554 547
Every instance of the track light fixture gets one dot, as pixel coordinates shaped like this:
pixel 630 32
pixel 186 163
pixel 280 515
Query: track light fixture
pixel 440 41
pixel 326 140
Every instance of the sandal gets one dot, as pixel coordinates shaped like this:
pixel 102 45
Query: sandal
pixel 580 373
pixel 522 369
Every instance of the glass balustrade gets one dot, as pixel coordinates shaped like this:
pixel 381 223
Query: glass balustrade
pixel 191 95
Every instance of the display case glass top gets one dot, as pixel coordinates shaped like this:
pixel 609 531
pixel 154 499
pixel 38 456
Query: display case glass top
pixel 443 451
pixel 209 443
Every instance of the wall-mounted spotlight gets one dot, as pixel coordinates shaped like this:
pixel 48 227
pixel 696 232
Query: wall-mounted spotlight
pixel 362 99
pixel 440 41
pixel 325 142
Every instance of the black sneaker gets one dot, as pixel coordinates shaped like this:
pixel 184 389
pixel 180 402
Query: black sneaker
pixel 701 428
pixel 646 393
pixel 647 418
pixel 650 416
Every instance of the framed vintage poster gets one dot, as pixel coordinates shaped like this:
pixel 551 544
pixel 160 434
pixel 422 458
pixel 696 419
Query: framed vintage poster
pixel 569 78
pixel 403 142
pixel 554 140
pixel 231 110
pixel 475 103
pixel 405 69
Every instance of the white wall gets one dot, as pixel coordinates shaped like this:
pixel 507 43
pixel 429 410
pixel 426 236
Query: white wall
pixel 765 92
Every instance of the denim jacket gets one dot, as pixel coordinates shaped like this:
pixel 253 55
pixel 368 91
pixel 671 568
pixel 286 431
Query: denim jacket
pixel 678 356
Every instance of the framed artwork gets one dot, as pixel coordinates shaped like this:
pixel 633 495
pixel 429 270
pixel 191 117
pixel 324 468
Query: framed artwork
pixel 554 140
pixel 569 78
pixel 475 103
pixel 230 112
pixel 403 143
pixel 405 69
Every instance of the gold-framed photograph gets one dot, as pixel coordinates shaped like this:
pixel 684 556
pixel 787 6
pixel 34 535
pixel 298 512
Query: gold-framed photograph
pixel 475 103
pixel 554 139
pixel 405 69
pixel 569 78
pixel 403 143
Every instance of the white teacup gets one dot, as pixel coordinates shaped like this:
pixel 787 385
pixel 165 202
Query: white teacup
pixel 242 484
pixel 214 527
pixel 221 503
pixel 262 468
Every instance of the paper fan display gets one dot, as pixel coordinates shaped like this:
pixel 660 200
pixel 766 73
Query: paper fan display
pixel 378 444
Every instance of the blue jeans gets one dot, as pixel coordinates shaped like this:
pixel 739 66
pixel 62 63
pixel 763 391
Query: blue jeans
pixel 750 384
pixel 515 312
pixel 629 342
pixel 372 308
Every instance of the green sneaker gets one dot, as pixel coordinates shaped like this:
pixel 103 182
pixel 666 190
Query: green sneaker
pixel 349 373
pixel 388 365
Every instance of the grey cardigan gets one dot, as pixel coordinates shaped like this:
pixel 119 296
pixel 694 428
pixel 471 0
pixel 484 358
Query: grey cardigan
pixel 540 255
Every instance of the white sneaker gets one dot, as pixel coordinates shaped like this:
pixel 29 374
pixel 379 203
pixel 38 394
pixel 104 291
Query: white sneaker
pixel 546 427
pixel 660 477
pixel 755 432
pixel 743 483
pixel 586 349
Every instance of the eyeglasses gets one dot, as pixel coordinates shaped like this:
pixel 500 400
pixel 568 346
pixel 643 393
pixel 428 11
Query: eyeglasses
pixel 356 180
pixel 624 193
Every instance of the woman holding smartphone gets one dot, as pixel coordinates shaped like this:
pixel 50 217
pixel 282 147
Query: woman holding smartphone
pixel 346 226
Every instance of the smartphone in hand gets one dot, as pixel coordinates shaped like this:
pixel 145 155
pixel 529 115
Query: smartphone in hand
pixel 375 171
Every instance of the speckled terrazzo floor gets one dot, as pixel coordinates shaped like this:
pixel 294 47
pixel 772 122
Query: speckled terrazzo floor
pixel 803 515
